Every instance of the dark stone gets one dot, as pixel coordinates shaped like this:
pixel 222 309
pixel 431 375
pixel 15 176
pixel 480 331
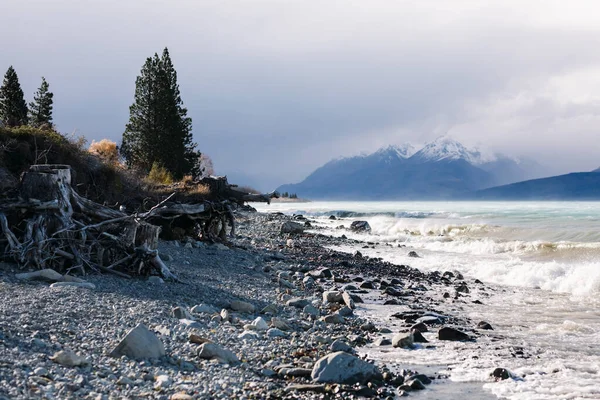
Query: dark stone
pixel 392 302
pixel 421 327
pixel 446 295
pixel 418 337
pixel 383 342
pixel 357 254
pixel 448 275
pixel 358 279
pixel 360 226
pixel 332 217
pixel 383 284
pixel 452 334
pixel 484 325
pixel 478 281
pixel 395 282
pixel 422 377
pixel 477 302
pixel 356 298
pixel 413 384
pixel 394 292
pixel 463 288
pixel 501 374
pixel 367 285
pixel 414 254
pixel 308 224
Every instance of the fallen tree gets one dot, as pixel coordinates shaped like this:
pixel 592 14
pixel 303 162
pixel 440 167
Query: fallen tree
pixel 49 225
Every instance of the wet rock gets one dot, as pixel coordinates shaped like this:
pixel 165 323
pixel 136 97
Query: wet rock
pixel 367 285
pixel 413 384
pixel 292 227
pixel 500 374
pixel 383 342
pixel 341 367
pixel 242 306
pixel 213 351
pixel 356 298
pixel 360 226
pixel 413 254
pixel 484 325
pixel 345 312
pixel 392 291
pixel 47 275
pixel 332 217
pixel 68 358
pixel 332 296
pixel 139 343
pixel 403 340
pixel 462 288
pixel 418 336
pixel 421 327
pixel 357 254
pixel 422 377
pixel 452 334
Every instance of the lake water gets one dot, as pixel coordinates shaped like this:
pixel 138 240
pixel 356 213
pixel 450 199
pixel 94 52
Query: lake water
pixel 542 259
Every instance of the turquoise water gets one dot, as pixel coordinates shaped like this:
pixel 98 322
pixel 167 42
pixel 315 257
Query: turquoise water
pixel 543 258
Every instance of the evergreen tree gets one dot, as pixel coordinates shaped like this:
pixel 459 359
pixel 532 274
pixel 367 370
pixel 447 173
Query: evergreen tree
pixel 159 130
pixel 40 110
pixel 13 108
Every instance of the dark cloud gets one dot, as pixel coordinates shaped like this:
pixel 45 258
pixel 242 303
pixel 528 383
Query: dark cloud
pixel 277 88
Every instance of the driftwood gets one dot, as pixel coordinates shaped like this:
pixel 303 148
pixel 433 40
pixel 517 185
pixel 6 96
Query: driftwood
pixel 51 226
pixel 223 190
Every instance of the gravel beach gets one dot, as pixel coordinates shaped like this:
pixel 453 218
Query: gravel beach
pixel 271 315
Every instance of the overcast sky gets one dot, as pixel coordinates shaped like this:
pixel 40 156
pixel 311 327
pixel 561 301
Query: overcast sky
pixel 276 88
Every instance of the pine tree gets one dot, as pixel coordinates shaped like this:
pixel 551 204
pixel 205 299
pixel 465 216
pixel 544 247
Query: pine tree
pixel 13 108
pixel 40 110
pixel 159 130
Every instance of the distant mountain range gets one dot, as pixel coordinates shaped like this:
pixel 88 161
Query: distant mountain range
pixel 442 169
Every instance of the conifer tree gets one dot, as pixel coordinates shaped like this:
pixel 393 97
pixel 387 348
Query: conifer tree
pixel 40 109
pixel 13 108
pixel 159 130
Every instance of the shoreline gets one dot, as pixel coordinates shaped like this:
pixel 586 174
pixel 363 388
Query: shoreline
pixel 273 272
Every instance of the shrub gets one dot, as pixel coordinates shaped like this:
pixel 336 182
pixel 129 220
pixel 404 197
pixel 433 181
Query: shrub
pixel 106 150
pixel 160 175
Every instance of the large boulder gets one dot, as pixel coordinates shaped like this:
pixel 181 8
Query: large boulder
pixel 360 226
pixel 292 227
pixel 403 340
pixel 139 343
pixel 341 367
pixel 452 334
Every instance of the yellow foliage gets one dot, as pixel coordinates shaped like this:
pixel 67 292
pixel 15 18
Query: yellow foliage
pixel 160 175
pixel 106 150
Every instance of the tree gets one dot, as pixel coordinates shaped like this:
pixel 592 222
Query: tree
pixel 40 109
pixel 13 108
pixel 159 130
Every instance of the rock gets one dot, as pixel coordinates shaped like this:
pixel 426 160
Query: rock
pixel 422 377
pixel 368 327
pixel 220 247
pixel 198 339
pixel 333 319
pixel 280 324
pixel 69 359
pixel 71 278
pixel 225 315
pixel 274 332
pixel 321 273
pixel 413 254
pixel 271 309
pixel 41 371
pixel 332 217
pixel 83 285
pixel 297 302
pixel 213 351
pixel 295 372
pixel 341 367
pixel 392 291
pixel 462 288
pixel 204 309
pixel 306 388
pixel 285 283
pixel 447 333
pixel 367 285
pixel 249 335
pixel 345 312
pixel 413 384
pixel 312 311
pixel 403 340
pixel 190 323
pixel 338 345
pixel 356 298
pixel 181 396
pixel 139 343
pixel 260 324
pixel 357 254
pixel 332 296
pixel 155 280
pixel 360 226
pixel 268 372
pixel 383 342
pixel 484 325
pixel 500 374
pixel 162 382
pixel 292 227
pixel 181 313
pixel 348 300
pixel 421 327
pixel 418 336
pixel 48 275
pixel 242 306
pixel 124 381
pixel 308 282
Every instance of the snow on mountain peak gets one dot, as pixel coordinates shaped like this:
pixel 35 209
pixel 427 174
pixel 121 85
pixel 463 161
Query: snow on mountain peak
pixel 446 148
pixel 405 150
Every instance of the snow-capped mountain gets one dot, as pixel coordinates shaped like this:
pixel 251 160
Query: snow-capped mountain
pixel 441 169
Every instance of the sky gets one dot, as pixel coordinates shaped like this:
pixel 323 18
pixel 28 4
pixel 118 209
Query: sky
pixel 277 88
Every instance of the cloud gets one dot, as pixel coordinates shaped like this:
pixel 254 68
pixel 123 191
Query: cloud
pixel 277 88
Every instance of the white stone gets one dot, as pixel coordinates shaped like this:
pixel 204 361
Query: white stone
pixel 213 351
pixel 162 381
pixel 274 332
pixel 69 359
pixel 342 367
pixel 242 306
pixel 83 285
pixel 139 343
pixel 403 340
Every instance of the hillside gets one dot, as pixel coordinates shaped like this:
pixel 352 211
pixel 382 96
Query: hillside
pixel 574 186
